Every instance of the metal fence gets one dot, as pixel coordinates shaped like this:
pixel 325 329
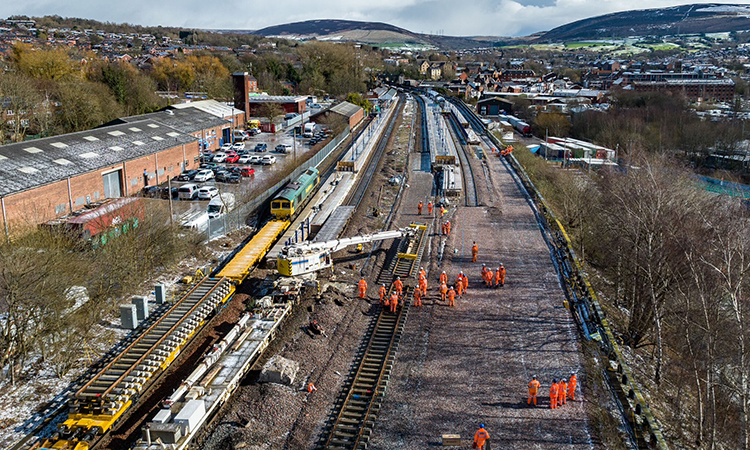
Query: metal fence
pixel 238 217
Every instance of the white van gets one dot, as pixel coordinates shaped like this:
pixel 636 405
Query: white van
pixel 187 191
pixel 240 135
pixel 220 205
pixel 309 130
pixel 198 221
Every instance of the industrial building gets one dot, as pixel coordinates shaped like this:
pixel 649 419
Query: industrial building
pixel 47 178
pixel 350 113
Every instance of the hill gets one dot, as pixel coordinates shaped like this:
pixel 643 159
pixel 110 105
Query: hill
pixel 371 33
pixel 685 19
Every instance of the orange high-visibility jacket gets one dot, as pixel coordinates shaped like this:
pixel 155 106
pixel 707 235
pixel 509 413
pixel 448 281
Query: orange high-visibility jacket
pixel 533 387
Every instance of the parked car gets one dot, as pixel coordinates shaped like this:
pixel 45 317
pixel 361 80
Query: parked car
pixel 247 171
pixel 232 159
pixel 220 205
pixel 283 148
pixel 150 191
pixel 238 146
pixel 207 192
pixel 165 191
pixel 187 176
pixel 188 191
pixel 315 106
pixel 268 160
pixel 244 159
pixel 222 175
pixel 204 175
pixel 219 157
pixel 255 159
pixel 226 146
pixel 210 166
pixel 207 157
pixel 234 177
pixel 261 147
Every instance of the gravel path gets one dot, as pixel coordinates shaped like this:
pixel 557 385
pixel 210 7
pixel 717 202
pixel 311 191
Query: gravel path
pixel 458 367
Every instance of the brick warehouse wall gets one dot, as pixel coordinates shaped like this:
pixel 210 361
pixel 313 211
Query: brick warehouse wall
pixel 38 205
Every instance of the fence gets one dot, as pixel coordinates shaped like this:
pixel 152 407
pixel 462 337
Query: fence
pixel 238 217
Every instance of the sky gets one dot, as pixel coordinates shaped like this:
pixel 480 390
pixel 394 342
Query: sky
pixel 447 17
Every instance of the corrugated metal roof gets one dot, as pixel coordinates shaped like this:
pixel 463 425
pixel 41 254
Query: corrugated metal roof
pixel 186 120
pixel 216 109
pixel 30 164
pixel 346 109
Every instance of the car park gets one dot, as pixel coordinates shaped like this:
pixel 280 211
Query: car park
pixel 283 148
pixel 219 157
pixel 187 176
pixel 188 191
pixel 204 175
pixel 261 147
pixel 207 192
pixel 268 160
pixel 238 146
pixel 247 171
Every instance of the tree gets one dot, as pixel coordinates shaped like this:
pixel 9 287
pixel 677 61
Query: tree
pixel 356 98
pixel 53 64
pixel 22 100
pixel 270 111
pixel 555 124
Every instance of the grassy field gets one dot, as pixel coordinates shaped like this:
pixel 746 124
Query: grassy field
pixel 586 44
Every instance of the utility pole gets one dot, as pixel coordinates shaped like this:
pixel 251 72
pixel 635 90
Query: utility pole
pixel 169 195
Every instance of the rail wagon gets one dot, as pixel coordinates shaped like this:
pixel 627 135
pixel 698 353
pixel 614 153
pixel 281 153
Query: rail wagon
pixel 294 194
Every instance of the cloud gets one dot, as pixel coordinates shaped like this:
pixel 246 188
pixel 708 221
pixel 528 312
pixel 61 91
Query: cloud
pixel 478 17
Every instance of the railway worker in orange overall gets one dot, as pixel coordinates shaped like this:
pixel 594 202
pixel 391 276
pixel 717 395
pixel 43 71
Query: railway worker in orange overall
pixel 562 395
pixel 474 252
pixel 429 207
pixel 553 391
pixel 362 287
pixel 572 386
pixel 382 292
pixel 480 437
pixel 460 284
pixel 465 282
pixel 533 388
pixel 448 228
pixel 443 291
pixel 422 273
pixel 419 208
pixel 393 302
pixel 311 388
pixel 442 211
pixel 501 269
pixel 417 297
pixel 488 277
pixel 399 286
pixel 451 297
pixel 497 277
pixel 444 278
pixel 423 286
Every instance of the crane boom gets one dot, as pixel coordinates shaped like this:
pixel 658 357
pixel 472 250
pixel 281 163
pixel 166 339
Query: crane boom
pixel 306 257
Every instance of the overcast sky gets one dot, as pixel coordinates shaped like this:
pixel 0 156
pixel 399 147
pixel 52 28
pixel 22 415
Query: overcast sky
pixel 448 17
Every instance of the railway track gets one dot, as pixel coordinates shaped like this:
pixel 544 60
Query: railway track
pixel 357 407
pixel 471 197
pixel 364 181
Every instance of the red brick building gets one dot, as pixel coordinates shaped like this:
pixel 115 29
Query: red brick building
pixel 721 89
pixel 51 177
